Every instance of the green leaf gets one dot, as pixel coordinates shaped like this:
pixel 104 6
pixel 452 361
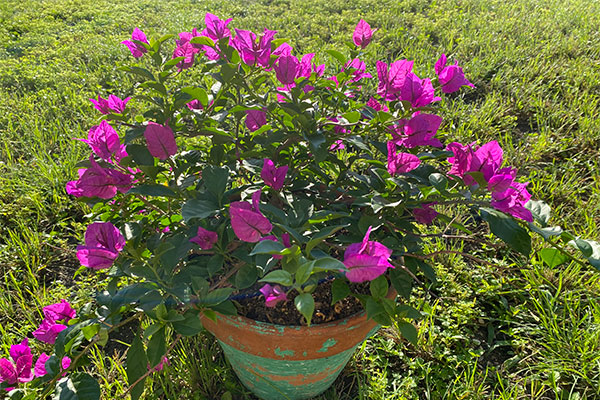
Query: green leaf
pixel 325 215
pixel 507 229
pixel 547 232
pixel 329 264
pixel 226 308
pixel 152 190
pixel 540 211
pixel 267 247
pixel 137 365
pixel 216 296
pixel 352 116
pixel 190 325
pixel 322 235
pixel 152 329
pixel 407 311
pixel 203 40
pixel 278 276
pixel 90 331
pixel 166 37
pixel 196 208
pixel 376 312
pixel 157 347
pixel 197 94
pixel 439 181
pixel 553 257
pixel 304 271
pixel 401 281
pixel 215 263
pixel 246 276
pixel 157 86
pixel 317 145
pixel 379 287
pixel 584 246
pixel 215 179
pixel 339 291
pixel 172 62
pixel 409 331
pixel 78 386
pixel 337 55
pixel 140 71
pixel 140 154
pixel 306 305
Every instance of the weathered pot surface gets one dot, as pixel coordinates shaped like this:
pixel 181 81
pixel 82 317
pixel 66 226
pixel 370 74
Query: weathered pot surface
pixel 289 362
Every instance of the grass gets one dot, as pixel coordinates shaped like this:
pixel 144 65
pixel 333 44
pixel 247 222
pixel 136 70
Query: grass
pixel 512 329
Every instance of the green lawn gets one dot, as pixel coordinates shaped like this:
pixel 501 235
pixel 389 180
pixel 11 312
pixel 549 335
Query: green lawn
pixel 508 328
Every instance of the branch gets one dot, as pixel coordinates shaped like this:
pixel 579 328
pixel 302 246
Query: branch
pixel 151 370
pixel 437 253
pixel 50 386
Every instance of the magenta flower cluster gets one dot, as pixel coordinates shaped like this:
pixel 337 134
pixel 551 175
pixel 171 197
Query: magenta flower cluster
pixel 103 242
pixel 19 370
pixel 55 318
pixel 508 195
pixel 396 82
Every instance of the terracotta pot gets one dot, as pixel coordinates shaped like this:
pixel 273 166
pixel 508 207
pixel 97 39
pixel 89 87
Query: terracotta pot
pixel 289 362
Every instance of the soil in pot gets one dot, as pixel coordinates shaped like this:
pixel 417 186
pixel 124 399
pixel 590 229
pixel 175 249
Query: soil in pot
pixel 285 312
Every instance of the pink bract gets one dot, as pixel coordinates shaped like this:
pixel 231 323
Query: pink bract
pixel 273 177
pixel 253 51
pixel 160 140
pixel 247 221
pixel 116 104
pixel 366 260
pixel 19 370
pixel 425 214
pixel 103 242
pixel 400 163
pixel 105 143
pixel 363 267
pixel 40 364
pixel 451 77
pixel 99 182
pixel 101 104
pixel 216 29
pixel 136 49
pixel 419 92
pixel 273 294
pixel 59 311
pixel 205 238
pixel 391 80
pixel 286 68
pixel 362 34
pixel 255 119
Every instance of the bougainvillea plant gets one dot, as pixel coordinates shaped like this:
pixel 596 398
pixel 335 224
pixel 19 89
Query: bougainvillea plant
pixel 237 165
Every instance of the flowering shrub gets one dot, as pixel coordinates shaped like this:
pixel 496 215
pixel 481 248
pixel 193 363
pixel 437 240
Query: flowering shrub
pixel 269 175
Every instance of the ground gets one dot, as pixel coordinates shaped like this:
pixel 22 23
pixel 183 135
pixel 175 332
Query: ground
pixel 508 328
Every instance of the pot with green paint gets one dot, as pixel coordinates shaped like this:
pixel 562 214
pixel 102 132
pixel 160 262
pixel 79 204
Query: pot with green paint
pixel 289 362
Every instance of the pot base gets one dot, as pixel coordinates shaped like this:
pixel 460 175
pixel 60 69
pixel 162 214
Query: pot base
pixel 271 379
pixel 288 362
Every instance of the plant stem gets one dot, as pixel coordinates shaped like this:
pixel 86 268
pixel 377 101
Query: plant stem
pixel 52 383
pixel 151 370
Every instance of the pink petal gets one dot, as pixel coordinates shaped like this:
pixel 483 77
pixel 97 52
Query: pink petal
pixel 255 119
pixel 59 311
pixel 205 238
pixel 8 373
pixel 40 365
pixel 363 267
pixel 362 34
pixel 160 140
pixel 286 68
pixel 249 226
